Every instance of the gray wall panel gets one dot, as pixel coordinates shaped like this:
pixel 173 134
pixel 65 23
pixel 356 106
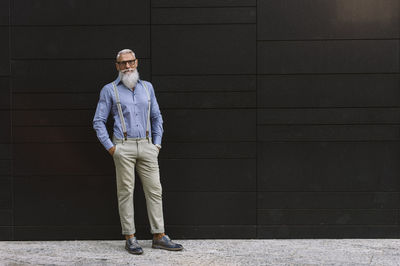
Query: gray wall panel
pixel 328 200
pixel 210 175
pixel 76 12
pixel 208 208
pixel 75 159
pixel 206 3
pixel 374 90
pixel 6 218
pixel 328 116
pixel 5 151
pixel 6 193
pixel 327 231
pixel 329 133
pixel 211 125
pixel 4 51
pixel 4 13
pixel 5 168
pixel 327 19
pixel 203 15
pixel 5 121
pixel 177 49
pixel 84 42
pixel 328 217
pixel 5 94
pixel 328 166
pixel 205 83
pixel 336 56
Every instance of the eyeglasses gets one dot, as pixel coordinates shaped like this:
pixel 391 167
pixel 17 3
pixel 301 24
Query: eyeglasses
pixel 130 62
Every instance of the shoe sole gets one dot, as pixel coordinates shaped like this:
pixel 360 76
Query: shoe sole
pixel 132 252
pixel 170 249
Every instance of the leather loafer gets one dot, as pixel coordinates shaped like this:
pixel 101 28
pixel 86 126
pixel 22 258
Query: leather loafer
pixel 166 243
pixel 133 247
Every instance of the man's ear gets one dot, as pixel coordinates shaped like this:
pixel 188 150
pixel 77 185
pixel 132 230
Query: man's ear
pixel 117 66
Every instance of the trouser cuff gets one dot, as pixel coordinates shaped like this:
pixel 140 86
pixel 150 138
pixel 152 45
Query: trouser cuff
pixel 157 231
pixel 128 232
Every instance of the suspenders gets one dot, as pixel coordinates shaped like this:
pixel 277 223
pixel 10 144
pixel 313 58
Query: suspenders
pixel 121 117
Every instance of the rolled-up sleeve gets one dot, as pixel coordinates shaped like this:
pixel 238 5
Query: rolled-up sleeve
pixel 101 116
pixel 156 118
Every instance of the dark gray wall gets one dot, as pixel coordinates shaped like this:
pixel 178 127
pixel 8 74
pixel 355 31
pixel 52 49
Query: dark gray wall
pixel 281 117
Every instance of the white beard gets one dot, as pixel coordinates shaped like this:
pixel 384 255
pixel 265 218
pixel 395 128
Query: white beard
pixel 129 79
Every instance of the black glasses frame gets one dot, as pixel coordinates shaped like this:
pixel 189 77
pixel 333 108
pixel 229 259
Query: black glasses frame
pixel 130 62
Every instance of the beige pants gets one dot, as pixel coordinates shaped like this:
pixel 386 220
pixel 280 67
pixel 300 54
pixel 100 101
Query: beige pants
pixel 141 154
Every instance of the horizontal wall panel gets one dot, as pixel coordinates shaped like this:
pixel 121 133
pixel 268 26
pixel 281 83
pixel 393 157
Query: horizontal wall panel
pixel 5 131
pixel 329 116
pixel 55 76
pixel 208 174
pixel 4 13
pixel 210 125
pixel 6 193
pixel 354 90
pixel 5 95
pixel 62 159
pixel 68 232
pixel 6 233
pixel 328 200
pixel 336 56
pixel 203 15
pixel 54 134
pixel 210 208
pixel 176 50
pixel 196 3
pixel 327 19
pixel 35 204
pixel 5 168
pixel 329 133
pixel 328 231
pixel 328 217
pixel 75 12
pixel 212 231
pixel 324 166
pixel 55 101
pixel 6 218
pixel 84 42
pixel 54 117
pixel 211 149
pixel 113 232
pixel 4 51
pixel 204 83
pixel 188 100
pixel 201 100
pixel 5 151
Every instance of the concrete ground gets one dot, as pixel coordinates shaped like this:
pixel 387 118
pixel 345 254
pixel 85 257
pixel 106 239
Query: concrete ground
pixel 206 252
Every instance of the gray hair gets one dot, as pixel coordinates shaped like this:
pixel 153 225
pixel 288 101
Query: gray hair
pixel 125 51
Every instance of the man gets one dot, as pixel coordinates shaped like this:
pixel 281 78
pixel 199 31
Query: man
pixel 136 143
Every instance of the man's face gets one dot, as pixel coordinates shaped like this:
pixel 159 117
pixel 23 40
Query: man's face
pixel 126 61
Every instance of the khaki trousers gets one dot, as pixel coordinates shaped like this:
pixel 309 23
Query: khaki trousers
pixel 142 155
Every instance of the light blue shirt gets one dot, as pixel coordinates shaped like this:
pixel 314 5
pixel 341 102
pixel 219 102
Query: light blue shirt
pixel 134 106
